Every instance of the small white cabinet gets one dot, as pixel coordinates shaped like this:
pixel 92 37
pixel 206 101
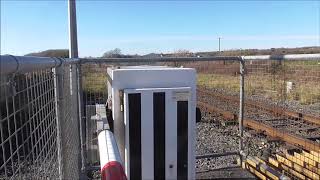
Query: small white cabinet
pixel 154 110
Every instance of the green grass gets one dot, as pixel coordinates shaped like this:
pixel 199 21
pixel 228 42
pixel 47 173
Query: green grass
pixel 268 86
pixel 94 82
pixel 306 90
pixel 219 81
pixel 308 93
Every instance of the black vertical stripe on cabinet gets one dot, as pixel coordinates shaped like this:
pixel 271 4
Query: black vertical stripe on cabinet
pixel 159 115
pixel 135 135
pixel 182 132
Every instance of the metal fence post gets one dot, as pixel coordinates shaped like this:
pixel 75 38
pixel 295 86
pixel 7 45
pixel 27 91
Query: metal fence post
pixel 241 108
pixel 73 53
pixel 81 118
pixel 58 92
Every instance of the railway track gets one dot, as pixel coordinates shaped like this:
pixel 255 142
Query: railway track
pixel 278 111
pixel 300 130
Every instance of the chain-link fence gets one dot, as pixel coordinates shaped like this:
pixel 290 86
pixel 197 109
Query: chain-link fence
pixel 267 86
pixel 214 79
pixel 69 122
pixel 39 121
pixel 42 109
pixel 281 136
pixel 95 94
pixel 28 126
pixel 218 132
pixel 283 109
pixel 94 83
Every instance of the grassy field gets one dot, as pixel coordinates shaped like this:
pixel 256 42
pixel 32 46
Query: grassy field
pixel 268 86
pixel 95 82
pixel 266 80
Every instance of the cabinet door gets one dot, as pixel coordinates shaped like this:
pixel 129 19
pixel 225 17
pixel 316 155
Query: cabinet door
pixel 182 138
pixel 156 123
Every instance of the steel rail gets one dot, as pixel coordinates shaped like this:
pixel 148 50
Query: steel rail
pixel 271 109
pixel 268 130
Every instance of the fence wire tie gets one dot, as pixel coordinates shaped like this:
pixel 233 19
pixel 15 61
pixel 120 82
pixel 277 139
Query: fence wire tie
pixel 17 61
pixel 11 84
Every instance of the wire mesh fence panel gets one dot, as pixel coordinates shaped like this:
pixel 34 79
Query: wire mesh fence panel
pixel 271 89
pixel 94 83
pixel 41 113
pixel 282 112
pixel 94 78
pixel 36 143
pixel 218 86
pixel 69 123
pixel 218 130
pixel 95 92
pixel 28 126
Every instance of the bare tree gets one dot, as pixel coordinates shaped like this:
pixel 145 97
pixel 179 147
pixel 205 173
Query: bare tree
pixel 115 53
pixel 181 53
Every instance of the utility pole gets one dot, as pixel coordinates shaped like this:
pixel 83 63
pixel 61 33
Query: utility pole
pixel 224 62
pixel 219 44
pixel 73 41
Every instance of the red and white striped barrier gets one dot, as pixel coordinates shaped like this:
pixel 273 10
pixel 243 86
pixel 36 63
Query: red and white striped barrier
pixel 110 160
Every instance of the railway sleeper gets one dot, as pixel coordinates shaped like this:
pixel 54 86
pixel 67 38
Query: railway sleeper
pixel 305 172
pixel 293 164
pixel 286 168
pixel 263 168
pixel 253 171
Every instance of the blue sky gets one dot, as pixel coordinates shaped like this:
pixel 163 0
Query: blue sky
pixel 159 26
